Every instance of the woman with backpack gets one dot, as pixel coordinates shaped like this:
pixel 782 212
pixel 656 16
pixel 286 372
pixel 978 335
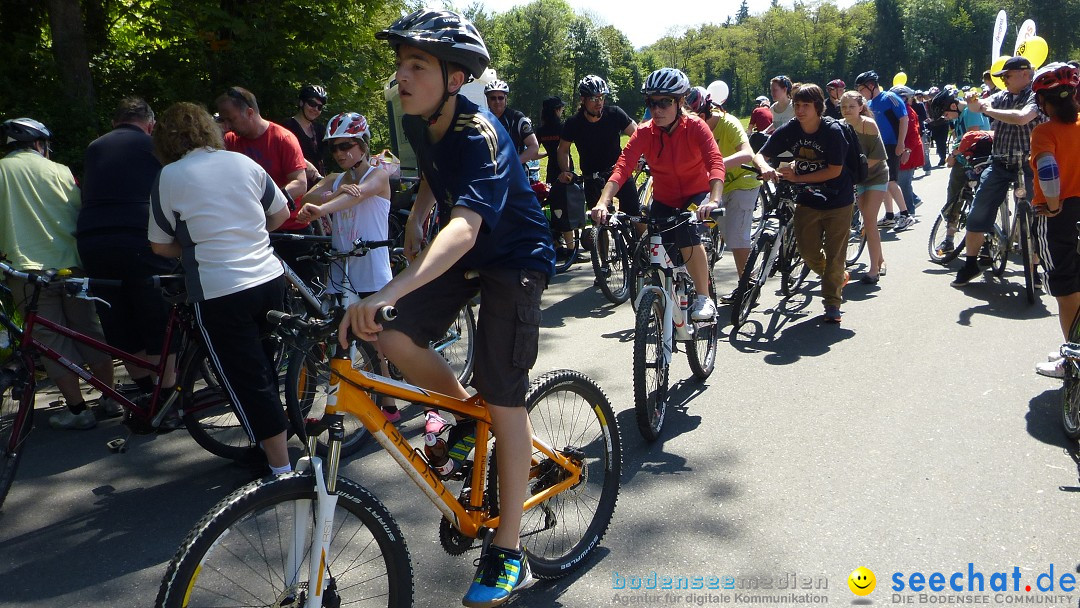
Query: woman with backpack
pixel 870 192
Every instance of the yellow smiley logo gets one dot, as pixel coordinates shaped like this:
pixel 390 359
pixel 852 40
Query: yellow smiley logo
pixel 861 581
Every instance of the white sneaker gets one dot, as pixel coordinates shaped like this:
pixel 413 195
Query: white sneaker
pixel 1051 369
pixel 110 408
pixel 703 309
pixel 886 222
pixel 903 222
pixel 1053 355
pixel 66 420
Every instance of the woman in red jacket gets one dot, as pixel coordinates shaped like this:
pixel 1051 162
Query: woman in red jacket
pixel 911 159
pixel 687 168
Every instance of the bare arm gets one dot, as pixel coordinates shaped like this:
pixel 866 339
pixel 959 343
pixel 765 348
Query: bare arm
pixel 168 250
pixel 276 219
pixel 901 134
pixel 532 149
pixel 564 161
pixel 414 227
pixel 630 128
pixel 296 184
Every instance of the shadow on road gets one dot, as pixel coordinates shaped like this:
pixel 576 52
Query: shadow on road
pixel 1044 423
pixel 793 332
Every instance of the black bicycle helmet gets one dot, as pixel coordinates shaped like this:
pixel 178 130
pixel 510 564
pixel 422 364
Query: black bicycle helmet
pixel 592 85
pixel 445 34
pixel 25 130
pixel 867 77
pixel 313 91
pixel 942 102
pixel 666 81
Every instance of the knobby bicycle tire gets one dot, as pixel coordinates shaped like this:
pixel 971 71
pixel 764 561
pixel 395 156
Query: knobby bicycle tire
pixel 641 271
pixel 237 553
pixel 13 433
pixel 1070 393
pixel 753 277
pixel 701 351
pixel 571 413
pixel 650 371
pixel 793 269
pixel 610 263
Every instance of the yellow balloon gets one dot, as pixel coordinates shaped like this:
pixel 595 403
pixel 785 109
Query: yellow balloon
pixel 1034 50
pixel 899 80
pixel 996 66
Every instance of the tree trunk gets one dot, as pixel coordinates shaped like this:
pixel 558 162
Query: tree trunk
pixel 71 55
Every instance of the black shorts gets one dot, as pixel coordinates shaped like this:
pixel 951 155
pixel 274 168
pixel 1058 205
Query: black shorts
pixel 507 326
pixel 892 161
pixel 1056 239
pixel 627 195
pixel 683 234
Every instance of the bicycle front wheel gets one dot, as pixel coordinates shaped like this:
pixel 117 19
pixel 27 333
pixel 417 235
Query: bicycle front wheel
pixel 794 270
pixel 239 553
pixel 16 420
pixel 307 384
pixel 570 413
pixel 650 369
pixel 609 262
pixel 641 271
pixel 753 277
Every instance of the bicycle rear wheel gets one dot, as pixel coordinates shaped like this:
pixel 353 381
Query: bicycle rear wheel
pixel 16 420
pixel 999 243
pixel 857 238
pixel 701 351
pixel 794 270
pixel 610 264
pixel 572 414
pixel 238 553
pixel 208 411
pixel 307 385
pixel 753 277
pixel 650 370
pixel 1026 248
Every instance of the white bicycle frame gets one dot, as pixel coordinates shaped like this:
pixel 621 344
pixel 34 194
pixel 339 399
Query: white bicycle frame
pixel 675 326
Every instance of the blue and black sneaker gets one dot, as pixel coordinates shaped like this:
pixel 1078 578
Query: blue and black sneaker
pixel 499 574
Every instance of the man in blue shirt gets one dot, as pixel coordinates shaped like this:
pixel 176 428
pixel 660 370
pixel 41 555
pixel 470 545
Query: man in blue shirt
pixel 496 242
pixel 891 116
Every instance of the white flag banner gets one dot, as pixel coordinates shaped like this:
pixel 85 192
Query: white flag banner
pixel 1027 31
pixel 999 34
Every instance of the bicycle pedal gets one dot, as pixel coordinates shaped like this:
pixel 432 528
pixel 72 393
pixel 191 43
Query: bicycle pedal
pixel 117 446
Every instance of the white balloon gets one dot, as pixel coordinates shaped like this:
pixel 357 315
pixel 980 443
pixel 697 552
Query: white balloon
pixel 718 90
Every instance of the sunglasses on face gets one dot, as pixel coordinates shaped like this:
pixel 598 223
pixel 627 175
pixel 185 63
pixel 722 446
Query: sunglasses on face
pixel 497 98
pixel 663 102
pixel 311 103
pixel 595 99
pixel 344 146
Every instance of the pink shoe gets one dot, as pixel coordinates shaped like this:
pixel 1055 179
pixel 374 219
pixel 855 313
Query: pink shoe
pixel 435 424
pixel 392 416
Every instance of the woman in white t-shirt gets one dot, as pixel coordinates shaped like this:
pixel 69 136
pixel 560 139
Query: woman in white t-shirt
pixel 358 203
pixel 214 209
pixel 782 108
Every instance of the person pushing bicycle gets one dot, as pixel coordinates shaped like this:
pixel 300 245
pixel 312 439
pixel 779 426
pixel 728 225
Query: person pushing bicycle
pixel 687 169
pixel 496 243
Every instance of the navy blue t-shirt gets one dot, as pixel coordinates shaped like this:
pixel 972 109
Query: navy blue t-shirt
pixel 814 152
pixel 476 166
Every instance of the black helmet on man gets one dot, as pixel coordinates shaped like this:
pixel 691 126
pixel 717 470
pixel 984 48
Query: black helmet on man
pixel 593 85
pixel 445 34
pixel 24 130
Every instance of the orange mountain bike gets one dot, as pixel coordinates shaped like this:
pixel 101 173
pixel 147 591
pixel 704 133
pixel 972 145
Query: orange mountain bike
pixel 312 538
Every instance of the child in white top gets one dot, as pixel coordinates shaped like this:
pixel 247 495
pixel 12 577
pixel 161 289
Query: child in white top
pixel 358 203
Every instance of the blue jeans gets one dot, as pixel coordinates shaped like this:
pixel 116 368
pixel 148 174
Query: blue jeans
pixel 993 186
pixel 904 181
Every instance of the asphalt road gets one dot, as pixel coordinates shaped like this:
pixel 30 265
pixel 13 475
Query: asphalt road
pixel 915 437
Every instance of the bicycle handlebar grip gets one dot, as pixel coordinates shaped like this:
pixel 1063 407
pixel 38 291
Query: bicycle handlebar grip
pixel 387 313
pixel 277 317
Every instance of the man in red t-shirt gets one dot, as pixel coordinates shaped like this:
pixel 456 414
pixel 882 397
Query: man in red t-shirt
pixel 761 117
pixel 277 151
pixel 271 145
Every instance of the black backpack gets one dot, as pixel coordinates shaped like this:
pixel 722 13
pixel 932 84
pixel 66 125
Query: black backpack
pixel 855 162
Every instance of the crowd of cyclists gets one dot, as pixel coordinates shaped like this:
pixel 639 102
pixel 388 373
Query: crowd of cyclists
pixel 209 189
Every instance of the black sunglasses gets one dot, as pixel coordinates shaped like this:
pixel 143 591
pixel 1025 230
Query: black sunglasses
pixel 663 103
pixel 344 146
pixel 311 103
pixel 237 95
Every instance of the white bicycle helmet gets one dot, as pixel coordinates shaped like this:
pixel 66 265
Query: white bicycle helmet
pixel 24 129
pixel 348 124
pixel 666 81
pixel 497 86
